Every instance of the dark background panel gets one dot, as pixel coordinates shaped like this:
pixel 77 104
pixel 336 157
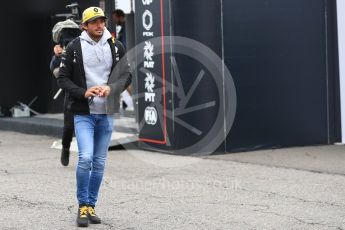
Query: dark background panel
pixel 27 48
pixel 155 133
pixel 276 52
pixel 152 132
pixel 200 21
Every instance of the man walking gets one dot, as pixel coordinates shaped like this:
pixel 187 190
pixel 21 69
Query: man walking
pixel 68 123
pixel 94 74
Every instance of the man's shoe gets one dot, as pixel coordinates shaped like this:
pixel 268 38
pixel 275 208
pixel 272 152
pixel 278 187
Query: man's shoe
pixel 82 220
pixel 93 218
pixel 64 156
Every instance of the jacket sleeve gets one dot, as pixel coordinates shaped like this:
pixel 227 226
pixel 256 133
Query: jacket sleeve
pixel 51 65
pixel 54 63
pixel 64 80
pixel 122 71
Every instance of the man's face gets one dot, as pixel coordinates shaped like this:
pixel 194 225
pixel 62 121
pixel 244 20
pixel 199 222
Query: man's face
pixel 95 28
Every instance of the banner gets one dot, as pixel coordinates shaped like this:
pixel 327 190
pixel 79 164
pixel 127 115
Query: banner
pixel 151 21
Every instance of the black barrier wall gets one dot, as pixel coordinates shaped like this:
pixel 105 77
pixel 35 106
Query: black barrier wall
pixel 281 55
pixel 152 21
pixel 186 83
pixel 278 54
pixel 27 50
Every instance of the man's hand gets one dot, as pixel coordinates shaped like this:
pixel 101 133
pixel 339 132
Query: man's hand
pixel 100 91
pixel 57 50
pixel 105 91
pixel 93 91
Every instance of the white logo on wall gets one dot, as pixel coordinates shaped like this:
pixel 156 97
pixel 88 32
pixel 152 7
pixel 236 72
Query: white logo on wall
pixel 149 85
pixel 150 115
pixel 148 23
pixel 147 2
pixel 148 54
pixel 149 82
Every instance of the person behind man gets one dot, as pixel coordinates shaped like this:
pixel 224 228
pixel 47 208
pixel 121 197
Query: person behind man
pixel 68 127
pixel 94 72
pixel 118 17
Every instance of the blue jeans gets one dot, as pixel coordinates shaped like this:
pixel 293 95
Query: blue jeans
pixel 93 133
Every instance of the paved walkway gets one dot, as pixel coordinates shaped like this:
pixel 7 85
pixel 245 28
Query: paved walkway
pixel 144 190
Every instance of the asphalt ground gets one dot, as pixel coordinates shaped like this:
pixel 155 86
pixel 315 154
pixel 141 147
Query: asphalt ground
pixel 295 188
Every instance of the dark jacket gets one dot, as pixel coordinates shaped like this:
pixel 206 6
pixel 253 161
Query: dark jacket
pixel 54 63
pixel 72 77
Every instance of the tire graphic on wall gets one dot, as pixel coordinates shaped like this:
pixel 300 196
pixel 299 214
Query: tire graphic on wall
pixel 224 101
